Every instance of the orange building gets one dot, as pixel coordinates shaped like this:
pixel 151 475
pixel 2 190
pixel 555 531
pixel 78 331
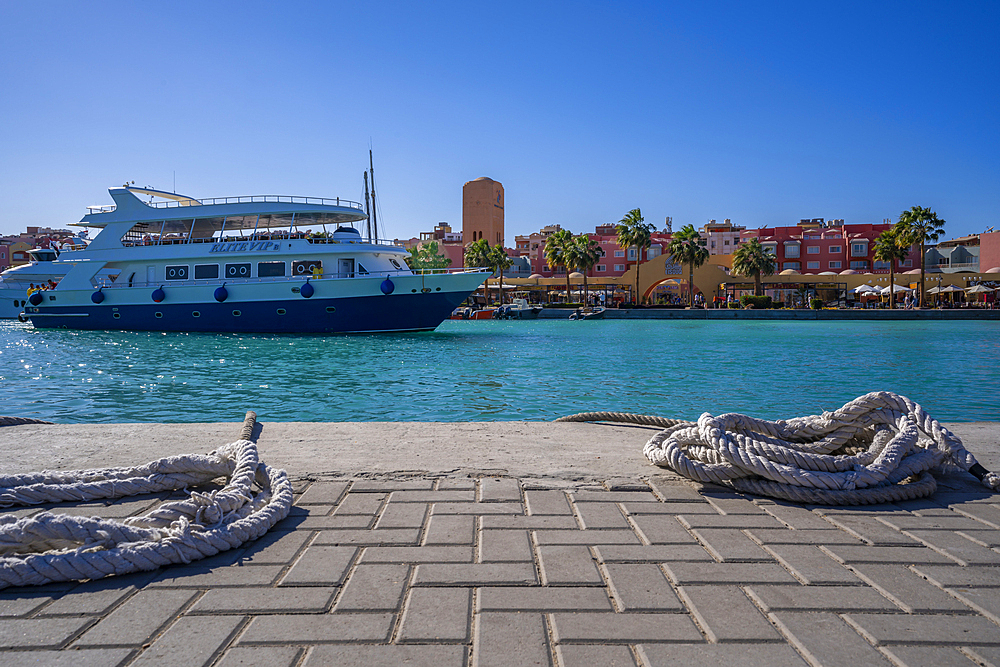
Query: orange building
pixel 482 211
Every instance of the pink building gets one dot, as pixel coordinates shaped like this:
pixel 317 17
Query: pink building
pixel 989 251
pixel 615 262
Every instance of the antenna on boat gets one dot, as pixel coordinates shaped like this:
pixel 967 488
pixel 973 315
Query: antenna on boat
pixel 374 218
pixel 368 209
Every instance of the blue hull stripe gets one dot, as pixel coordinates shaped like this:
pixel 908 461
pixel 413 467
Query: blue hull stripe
pixel 397 312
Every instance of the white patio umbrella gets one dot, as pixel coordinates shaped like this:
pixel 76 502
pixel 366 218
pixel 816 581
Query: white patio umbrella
pixel 933 290
pixel 952 288
pixel 895 288
pixel 861 289
pixel 979 289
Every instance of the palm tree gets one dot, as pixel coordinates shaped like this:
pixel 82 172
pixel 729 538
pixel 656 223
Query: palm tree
pixel 633 231
pixel 425 256
pixel 498 260
pixel 685 248
pixel 753 259
pixel 556 255
pixel 477 254
pixel 584 253
pixel 889 248
pixel 920 225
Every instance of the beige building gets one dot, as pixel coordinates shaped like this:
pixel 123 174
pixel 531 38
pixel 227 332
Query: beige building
pixel 482 211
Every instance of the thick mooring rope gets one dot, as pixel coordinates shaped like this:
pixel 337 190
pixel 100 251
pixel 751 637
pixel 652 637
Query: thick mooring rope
pixel 51 547
pixel 20 421
pixel 869 451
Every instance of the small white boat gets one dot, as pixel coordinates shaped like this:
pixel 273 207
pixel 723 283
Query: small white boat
pixel 518 309
pixel 595 313
pixel 15 282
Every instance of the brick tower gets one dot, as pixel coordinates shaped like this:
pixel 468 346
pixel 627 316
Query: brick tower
pixel 482 211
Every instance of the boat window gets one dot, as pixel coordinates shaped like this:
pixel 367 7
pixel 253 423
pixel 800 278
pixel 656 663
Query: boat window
pixel 270 269
pixel 238 270
pixel 395 263
pixel 362 270
pixel 304 267
pixel 177 272
pixel 206 271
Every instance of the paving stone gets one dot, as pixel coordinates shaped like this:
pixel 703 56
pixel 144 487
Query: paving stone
pixel 138 619
pixel 547 502
pixel 983 655
pixel 456 484
pixel 130 507
pixel 625 484
pixel 670 508
pixel 728 545
pixel 417 555
pixel 989 514
pixel 301 599
pixel 926 656
pixel 261 656
pixel 533 598
pixel 318 628
pixel 275 548
pixel 588 655
pixel 97 657
pixel 953 576
pixel 499 490
pixel 784 536
pixel 312 522
pixel 15 605
pixel 662 529
pixel 404 515
pixel 824 639
pixel 960 549
pixel 655 553
pixel 738 521
pixel 952 522
pixel 732 503
pixel 91 600
pixel 320 566
pixel 382 486
pixel 497 546
pixel 366 656
pixel 374 588
pixel 885 629
pixel 686 574
pixel 367 504
pixel 670 489
pixel 586 537
pixel 641 587
pixel 874 532
pixel 492 521
pixel 987 538
pixel 719 655
pixel 443 529
pixel 476 574
pixel 509 638
pixel 847 553
pixel 191 641
pixel 818 598
pixel 368 538
pixel 479 508
pixel 53 632
pixel 198 577
pixel 725 614
pixel 983 600
pixel 881 509
pixel 436 614
pixel 601 516
pixel 568 566
pixel 583 627
pixel 810 565
pixel 798 517
pixel 432 496
pixel 613 497
pixel 322 493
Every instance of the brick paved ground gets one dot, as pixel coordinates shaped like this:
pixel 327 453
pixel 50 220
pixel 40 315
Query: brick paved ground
pixel 496 571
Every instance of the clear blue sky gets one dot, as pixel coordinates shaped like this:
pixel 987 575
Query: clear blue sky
pixel 764 113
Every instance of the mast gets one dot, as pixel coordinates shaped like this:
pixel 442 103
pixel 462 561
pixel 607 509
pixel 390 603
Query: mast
pixel 374 218
pixel 367 209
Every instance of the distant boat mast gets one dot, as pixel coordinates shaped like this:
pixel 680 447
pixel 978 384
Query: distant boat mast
pixel 374 218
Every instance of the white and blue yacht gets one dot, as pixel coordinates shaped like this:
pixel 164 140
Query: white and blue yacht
pixel 260 264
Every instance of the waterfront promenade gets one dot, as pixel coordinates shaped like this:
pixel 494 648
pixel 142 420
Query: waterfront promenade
pixel 518 543
pixel 778 314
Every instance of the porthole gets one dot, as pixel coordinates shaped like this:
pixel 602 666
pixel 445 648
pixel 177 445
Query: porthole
pixel 236 313
pixel 281 311
pixel 331 309
pixel 158 315
pixel 117 316
pixel 414 291
pixel 437 289
pixel 195 313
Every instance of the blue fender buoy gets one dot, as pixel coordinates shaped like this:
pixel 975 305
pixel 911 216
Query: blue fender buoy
pixel 307 290
pixel 97 297
pixel 35 298
pixel 221 293
pixel 388 287
pixel 158 294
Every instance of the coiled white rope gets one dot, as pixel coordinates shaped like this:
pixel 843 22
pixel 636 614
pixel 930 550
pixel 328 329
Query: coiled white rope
pixel 869 451
pixel 51 547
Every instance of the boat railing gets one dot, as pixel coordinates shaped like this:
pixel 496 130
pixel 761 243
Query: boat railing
pixel 266 236
pixel 255 199
pixel 107 283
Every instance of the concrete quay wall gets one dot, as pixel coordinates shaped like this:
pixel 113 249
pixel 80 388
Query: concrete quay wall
pixel 780 314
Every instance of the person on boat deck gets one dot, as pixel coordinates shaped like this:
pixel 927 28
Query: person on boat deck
pixel 32 289
pixel 317 271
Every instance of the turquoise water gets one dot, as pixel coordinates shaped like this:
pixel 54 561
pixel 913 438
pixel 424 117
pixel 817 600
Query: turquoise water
pixel 485 371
